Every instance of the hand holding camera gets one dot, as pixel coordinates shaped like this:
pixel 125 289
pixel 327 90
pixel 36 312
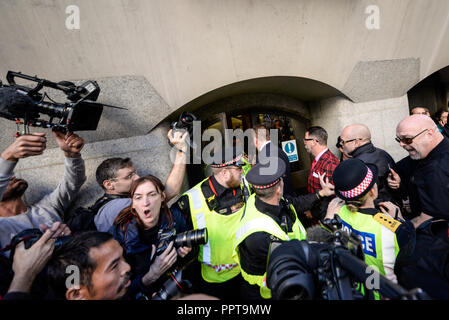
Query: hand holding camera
pixel 70 143
pixel 31 254
pixel 25 146
pixel 178 139
pixel 161 264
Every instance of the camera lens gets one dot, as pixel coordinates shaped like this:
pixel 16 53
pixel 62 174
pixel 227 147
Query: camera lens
pixel 191 238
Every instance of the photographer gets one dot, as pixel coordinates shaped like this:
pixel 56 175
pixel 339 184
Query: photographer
pixel 28 263
pixel 138 227
pixel 383 231
pixel 90 266
pixel 15 215
pixel 115 176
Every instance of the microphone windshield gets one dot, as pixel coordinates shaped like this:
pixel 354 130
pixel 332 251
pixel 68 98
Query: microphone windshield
pixel 16 105
pixel 318 234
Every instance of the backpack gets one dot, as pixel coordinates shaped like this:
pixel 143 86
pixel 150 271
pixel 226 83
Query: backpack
pixel 82 219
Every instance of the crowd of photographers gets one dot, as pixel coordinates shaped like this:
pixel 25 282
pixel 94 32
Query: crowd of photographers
pixel 125 246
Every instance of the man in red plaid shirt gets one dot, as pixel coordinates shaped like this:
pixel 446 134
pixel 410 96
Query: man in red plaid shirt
pixel 315 142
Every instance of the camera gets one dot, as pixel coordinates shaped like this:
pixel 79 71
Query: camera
pixel 175 282
pixel 185 123
pixel 192 238
pixel 172 286
pixel 24 105
pixel 329 267
pixel 30 237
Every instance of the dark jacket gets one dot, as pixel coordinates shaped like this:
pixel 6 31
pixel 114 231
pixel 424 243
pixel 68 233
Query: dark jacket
pixel 428 267
pixel 369 154
pixel 426 182
pixel 137 246
pixel 445 131
pixel 271 150
pixel 306 202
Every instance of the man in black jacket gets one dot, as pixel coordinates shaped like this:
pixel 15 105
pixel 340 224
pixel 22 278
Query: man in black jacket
pixel 424 174
pixel 356 141
pixel 269 151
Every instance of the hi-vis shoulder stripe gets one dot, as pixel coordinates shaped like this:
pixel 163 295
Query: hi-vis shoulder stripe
pixel 196 198
pixel 259 223
pixel 387 221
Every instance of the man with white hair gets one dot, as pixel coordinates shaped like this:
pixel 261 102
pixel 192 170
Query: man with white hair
pixel 356 142
pixel 424 174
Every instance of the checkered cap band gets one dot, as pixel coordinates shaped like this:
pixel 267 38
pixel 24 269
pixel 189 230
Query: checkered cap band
pixel 360 188
pixel 267 186
pixel 227 163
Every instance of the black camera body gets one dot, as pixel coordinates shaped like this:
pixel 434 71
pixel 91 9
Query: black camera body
pixel 30 237
pixel 185 123
pixel 175 282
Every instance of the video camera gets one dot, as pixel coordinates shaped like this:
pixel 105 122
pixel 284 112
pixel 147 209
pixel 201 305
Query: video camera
pixel 328 266
pixel 24 105
pixel 30 237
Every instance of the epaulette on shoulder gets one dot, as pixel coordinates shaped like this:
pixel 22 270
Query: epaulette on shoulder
pixel 387 221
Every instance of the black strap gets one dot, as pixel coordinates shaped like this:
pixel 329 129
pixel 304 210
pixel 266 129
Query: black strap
pixel 105 199
pixel 211 199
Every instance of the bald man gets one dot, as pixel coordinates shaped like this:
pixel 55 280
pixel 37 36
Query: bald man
pixel 424 174
pixel 356 143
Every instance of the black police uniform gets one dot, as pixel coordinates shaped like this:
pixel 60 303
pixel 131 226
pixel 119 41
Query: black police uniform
pixel 254 250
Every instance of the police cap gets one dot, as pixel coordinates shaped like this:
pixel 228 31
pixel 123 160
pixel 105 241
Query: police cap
pixel 266 175
pixel 230 156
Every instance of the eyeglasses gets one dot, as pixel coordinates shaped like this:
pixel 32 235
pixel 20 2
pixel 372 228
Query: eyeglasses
pixel 342 142
pixel 408 140
pixel 128 177
pixel 309 139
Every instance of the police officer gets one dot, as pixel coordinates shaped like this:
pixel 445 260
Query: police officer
pixel 267 218
pixel 383 231
pixel 217 204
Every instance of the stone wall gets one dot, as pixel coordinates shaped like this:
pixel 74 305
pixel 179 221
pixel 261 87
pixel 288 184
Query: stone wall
pixel 381 116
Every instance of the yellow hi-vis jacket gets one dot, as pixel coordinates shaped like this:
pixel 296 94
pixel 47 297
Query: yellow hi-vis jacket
pixel 217 262
pixel 255 221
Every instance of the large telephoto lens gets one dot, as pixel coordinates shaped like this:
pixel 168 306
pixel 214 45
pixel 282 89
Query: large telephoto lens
pixel 191 238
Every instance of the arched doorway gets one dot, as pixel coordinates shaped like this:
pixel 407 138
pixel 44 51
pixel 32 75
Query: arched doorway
pixel 281 103
pixel 431 93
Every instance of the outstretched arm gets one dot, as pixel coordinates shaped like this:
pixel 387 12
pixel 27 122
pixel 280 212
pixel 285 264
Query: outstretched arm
pixel 176 176
pixel 74 174
pixel 23 147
